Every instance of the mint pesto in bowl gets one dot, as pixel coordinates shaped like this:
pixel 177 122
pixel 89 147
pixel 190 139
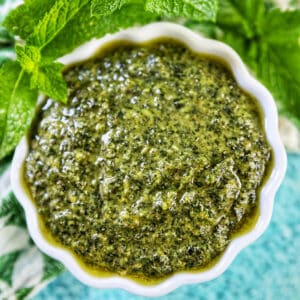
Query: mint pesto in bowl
pixel 156 165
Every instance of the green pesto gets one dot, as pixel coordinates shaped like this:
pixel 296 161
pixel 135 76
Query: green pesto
pixel 152 166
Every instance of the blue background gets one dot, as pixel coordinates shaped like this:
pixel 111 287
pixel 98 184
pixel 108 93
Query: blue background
pixel 268 269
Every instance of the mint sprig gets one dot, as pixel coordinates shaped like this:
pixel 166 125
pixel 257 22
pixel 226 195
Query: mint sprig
pixel 273 54
pixel 267 39
pixel 44 75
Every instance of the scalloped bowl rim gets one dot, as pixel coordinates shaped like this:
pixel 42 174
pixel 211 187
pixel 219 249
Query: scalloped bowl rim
pixel 247 82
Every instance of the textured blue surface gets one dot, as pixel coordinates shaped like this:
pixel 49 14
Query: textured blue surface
pixel 269 269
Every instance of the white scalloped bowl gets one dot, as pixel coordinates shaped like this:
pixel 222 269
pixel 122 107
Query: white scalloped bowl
pixel 247 82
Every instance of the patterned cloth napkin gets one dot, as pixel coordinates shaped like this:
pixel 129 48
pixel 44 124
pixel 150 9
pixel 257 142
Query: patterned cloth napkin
pixel 24 270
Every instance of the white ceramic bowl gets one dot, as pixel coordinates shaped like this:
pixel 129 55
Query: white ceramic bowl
pixel 247 82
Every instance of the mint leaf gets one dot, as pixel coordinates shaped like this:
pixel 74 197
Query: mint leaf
pixel 279 60
pixel 281 27
pixel 248 49
pixel 54 21
pixel 48 79
pixel 279 69
pixel 83 27
pixel 105 7
pixel 268 41
pixel 241 17
pixel 29 57
pixel 22 20
pixel 17 105
pixel 192 9
pixel 39 22
pixel 46 76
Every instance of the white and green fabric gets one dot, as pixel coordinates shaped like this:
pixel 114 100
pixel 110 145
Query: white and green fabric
pixel 24 270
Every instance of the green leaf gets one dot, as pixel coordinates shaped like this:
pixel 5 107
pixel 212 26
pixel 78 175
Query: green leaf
pixel 246 48
pixel 83 27
pixel 22 20
pixel 17 105
pixel 242 17
pixel 49 79
pixel 29 57
pixel 192 9
pixel 54 21
pixel 105 7
pixel 281 28
pixel 279 69
pixel 268 41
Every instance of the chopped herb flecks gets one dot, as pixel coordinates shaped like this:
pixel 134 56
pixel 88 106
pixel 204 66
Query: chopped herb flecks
pixel 155 161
